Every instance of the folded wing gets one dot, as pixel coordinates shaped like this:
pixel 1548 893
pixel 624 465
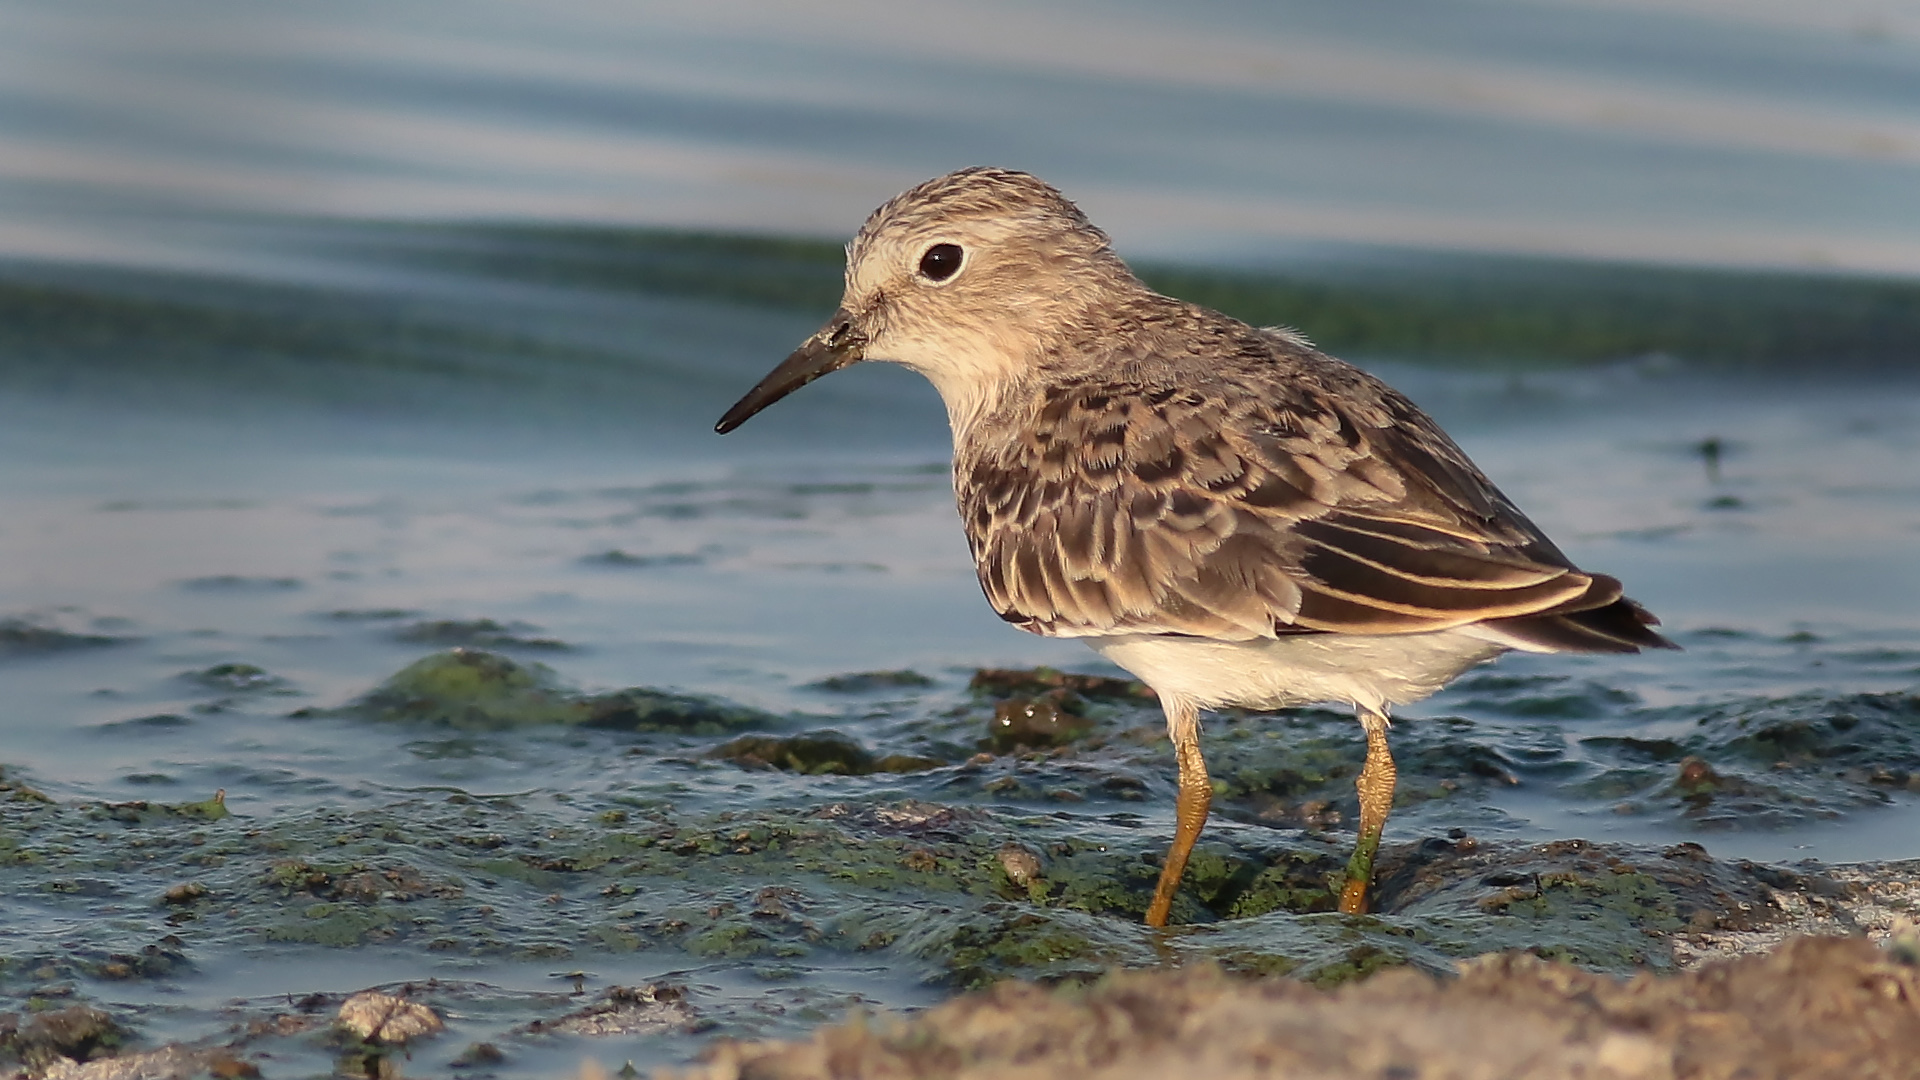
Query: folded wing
pixel 1222 512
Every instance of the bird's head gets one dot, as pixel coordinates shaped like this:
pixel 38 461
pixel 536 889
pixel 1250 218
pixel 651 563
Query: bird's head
pixel 965 279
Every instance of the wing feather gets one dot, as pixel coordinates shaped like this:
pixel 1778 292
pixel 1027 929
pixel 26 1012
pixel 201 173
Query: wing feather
pixel 1249 507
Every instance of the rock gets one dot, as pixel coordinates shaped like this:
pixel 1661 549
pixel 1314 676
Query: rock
pixel 76 1033
pixel 1021 863
pixel 478 1055
pixel 816 753
pixel 1697 778
pixel 184 894
pixel 158 960
pixel 626 1010
pixel 171 1062
pixel 1051 719
pixel 1012 682
pixel 376 1017
pixel 472 690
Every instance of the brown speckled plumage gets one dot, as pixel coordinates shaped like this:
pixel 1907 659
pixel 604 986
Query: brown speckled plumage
pixel 1235 483
pixel 1227 512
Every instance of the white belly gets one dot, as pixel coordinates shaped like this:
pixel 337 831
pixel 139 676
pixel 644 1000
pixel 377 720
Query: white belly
pixel 1372 671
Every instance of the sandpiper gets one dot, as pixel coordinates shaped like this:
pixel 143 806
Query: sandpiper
pixel 1223 510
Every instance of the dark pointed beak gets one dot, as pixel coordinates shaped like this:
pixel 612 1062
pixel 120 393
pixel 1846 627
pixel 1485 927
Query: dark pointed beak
pixel 836 346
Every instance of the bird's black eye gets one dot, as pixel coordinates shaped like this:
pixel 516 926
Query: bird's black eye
pixel 941 262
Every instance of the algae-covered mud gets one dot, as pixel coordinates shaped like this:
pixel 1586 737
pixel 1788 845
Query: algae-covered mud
pixel 390 620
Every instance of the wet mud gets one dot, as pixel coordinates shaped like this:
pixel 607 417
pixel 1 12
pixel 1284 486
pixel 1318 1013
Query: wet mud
pixel 1017 849
pixel 1815 1007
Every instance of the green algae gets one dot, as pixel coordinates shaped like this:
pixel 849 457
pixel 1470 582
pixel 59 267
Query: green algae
pixel 793 885
pixel 922 888
pixel 817 753
pixel 1001 942
pixel 17 791
pixel 471 690
pixel 1477 306
pixel 128 333
pixel 474 690
pixel 143 812
pixel 334 925
pixel 785 272
pixel 1480 306
pixel 640 709
pixel 1526 309
pixel 862 682
pixel 1299 883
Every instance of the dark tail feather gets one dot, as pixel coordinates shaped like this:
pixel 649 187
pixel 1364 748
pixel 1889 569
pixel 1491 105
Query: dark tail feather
pixel 1619 627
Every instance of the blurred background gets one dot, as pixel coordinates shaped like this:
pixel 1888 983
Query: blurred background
pixel 337 334
pixel 1772 133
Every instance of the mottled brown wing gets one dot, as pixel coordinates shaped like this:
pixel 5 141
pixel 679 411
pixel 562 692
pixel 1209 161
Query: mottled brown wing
pixel 1223 513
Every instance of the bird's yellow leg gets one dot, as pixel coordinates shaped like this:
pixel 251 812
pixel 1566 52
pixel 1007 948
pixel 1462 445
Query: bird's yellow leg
pixel 1376 799
pixel 1196 795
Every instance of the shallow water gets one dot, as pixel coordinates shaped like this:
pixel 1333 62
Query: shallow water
pixel 302 387
pixel 220 536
